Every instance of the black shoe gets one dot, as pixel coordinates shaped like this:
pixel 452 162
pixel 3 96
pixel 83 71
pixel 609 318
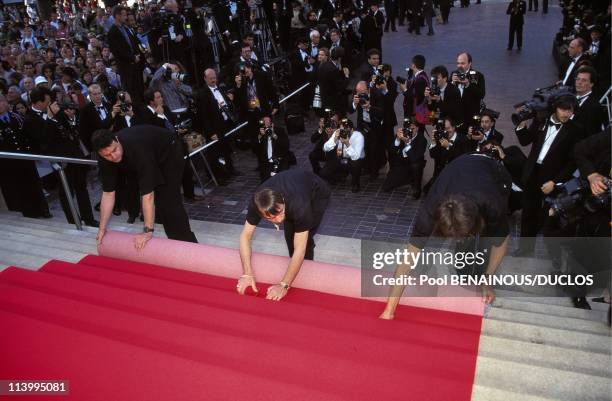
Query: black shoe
pixel 508 48
pixel 522 252
pixel 416 195
pixel 92 223
pixel 355 188
pixel 518 49
pixel 601 300
pixel 581 303
pixel 394 29
pixel 46 215
pixel 386 29
pixel 430 33
pixel 131 219
pixel 141 217
pixel 116 211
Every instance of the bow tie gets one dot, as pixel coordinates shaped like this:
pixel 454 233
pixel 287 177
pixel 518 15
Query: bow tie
pixel 579 98
pixel 213 89
pixel 100 108
pixel 556 125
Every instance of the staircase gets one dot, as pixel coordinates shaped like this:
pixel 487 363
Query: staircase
pixel 531 348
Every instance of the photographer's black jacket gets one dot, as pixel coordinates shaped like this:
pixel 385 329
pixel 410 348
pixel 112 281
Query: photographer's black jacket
pixel 268 99
pixel 280 146
pixel 450 105
pixel 593 154
pixel 469 104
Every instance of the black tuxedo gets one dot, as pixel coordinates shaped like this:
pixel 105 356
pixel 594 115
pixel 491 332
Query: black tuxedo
pixel 591 116
pixel 516 11
pixel 372 31
pixel 557 166
pixel 301 70
pixel 450 105
pixel 571 80
pixel 332 85
pixel 268 99
pixel 389 117
pixel 372 131
pixel 92 121
pixel 470 99
pixel 19 181
pixel 151 118
pixel 494 136
pixel 406 167
pixel 280 153
pixel 41 130
pixel 365 72
pixel 459 146
pixel 317 154
pixel 125 50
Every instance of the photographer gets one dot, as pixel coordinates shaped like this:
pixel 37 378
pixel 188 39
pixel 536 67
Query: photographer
pixel 126 115
pixel 550 161
pixel 333 79
pixel 369 103
pixel 590 115
pixel 388 89
pixel 447 145
pixel 443 99
pixel 370 67
pixel 326 128
pixel 272 149
pixel 407 159
pixel 467 203
pixel 371 28
pixel 482 130
pixel 169 79
pixel 95 115
pixel 345 155
pixel 167 36
pixel 415 105
pixel 471 85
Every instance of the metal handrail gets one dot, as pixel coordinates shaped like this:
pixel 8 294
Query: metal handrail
pixel 56 160
pixel 605 101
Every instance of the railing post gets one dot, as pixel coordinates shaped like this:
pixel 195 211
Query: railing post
pixel 68 192
pixel 195 171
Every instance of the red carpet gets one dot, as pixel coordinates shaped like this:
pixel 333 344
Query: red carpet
pixel 122 330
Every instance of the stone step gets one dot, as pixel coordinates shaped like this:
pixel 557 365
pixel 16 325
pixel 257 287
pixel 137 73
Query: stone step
pixel 47 253
pixel 569 359
pixel 32 262
pixel 598 314
pixel 484 393
pixel 540 381
pixel 54 243
pixel 536 334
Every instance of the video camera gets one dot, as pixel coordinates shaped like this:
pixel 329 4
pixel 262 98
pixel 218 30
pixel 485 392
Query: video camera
pixel 575 199
pixel 162 20
pixel 184 125
pixel 541 103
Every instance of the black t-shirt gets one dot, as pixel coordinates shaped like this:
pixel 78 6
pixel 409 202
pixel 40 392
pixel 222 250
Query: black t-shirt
pixel 477 177
pixel 146 152
pixel 301 191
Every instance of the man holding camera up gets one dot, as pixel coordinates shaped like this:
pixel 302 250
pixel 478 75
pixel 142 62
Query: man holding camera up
pixel 407 159
pixel 272 149
pixel 345 149
pixel 482 130
pixel 414 104
pixel 368 103
pixel 441 97
pixel 471 85
pixel 327 126
pixel 447 145
pixel 169 80
pixel 550 161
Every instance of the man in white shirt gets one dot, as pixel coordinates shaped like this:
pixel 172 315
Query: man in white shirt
pixel 575 52
pixel 346 153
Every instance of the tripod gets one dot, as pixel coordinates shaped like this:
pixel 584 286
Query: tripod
pixel 259 27
pixel 212 30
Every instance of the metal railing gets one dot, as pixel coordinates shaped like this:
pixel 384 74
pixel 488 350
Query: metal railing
pixel 202 149
pixel 605 101
pixel 56 164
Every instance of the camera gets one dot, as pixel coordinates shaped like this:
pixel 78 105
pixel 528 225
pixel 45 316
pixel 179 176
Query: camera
pixel 343 133
pixel 125 106
pixel 379 80
pixel 540 105
pixel 268 131
pixel 434 89
pixel 469 75
pixel 184 125
pixel 363 98
pixel 275 166
pixel 439 132
pixel 575 199
pixel 175 75
pixel 475 124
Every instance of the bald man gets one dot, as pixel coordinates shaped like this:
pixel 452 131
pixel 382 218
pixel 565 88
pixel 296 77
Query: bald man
pixel 215 118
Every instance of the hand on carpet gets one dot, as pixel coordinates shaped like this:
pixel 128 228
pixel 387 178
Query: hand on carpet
pixel 386 315
pixel 244 282
pixel 276 292
pixel 140 240
pixel 488 295
pixel 100 235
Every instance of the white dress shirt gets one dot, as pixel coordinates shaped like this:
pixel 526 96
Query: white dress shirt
pixel 582 98
pixel 569 69
pixel 551 134
pixel 354 151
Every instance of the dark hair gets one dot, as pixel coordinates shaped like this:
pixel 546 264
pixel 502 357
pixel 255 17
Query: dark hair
pixel 336 53
pixel 458 217
pixel 38 95
pixel 101 138
pixel 373 52
pixel 117 10
pixel 567 102
pixel 149 95
pixel 419 61
pixel 469 56
pixel 451 121
pixel 268 201
pixel 439 69
pixel 588 70
pixel 335 30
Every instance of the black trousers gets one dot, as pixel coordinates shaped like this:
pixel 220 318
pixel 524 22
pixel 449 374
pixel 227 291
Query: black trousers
pixel 318 210
pixel 131 80
pixel 315 156
pixel 404 173
pixel 374 149
pixel 168 199
pixel 22 187
pixel 402 9
pixel 391 15
pixel 77 181
pixel 515 29
pixel 445 10
pixel 534 212
pixel 533 3
pixel 336 169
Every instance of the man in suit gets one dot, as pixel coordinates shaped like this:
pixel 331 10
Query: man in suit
pixel 485 131
pixel 576 53
pixel 370 67
pixel 590 115
pixel 414 90
pixel 389 117
pixel 550 161
pixel 175 31
pixel 302 71
pixel 38 123
pixel 447 103
pixel 255 97
pixel 333 79
pixel 336 40
pixel 516 10
pixel 272 149
pixel 471 85
pixel 326 128
pixel 216 117
pixel 19 180
pixel 371 28
pixel 391 10
pixel 369 103
pixel 407 160
pixel 126 50
pixel 95 115
pixel 156 112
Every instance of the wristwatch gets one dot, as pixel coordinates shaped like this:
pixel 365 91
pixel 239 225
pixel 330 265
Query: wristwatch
pixel 284 285
pixel 147 230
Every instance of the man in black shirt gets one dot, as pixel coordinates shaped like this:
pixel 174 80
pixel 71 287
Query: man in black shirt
pixel 469 199
pixel 297 199
pixel 155 156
